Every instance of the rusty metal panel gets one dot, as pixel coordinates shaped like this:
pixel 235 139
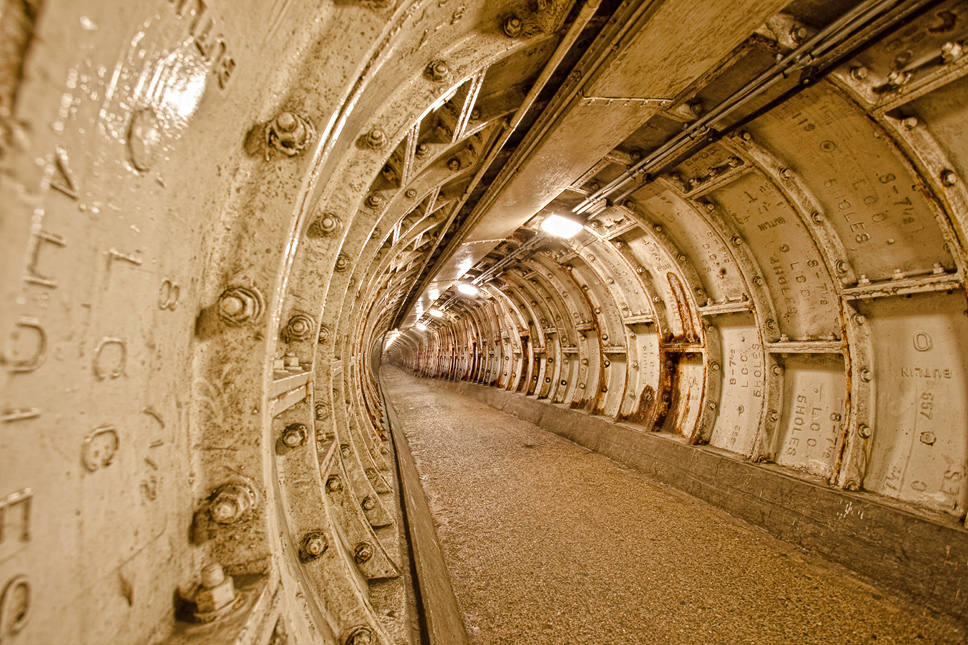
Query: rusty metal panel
pixel 743 383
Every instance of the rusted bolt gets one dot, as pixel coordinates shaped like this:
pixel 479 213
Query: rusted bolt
pixel 216 592
pixel 363 552
pixel 858 73
pixel 375 200
pixel 864 431
pixel 314 545
pixel 342 262
pixel 948 177
pixel 438 71
pixel 798 34
pixel 910 123
pixel 325 224
pixel 368 503
pixel 294 435
pixel 298 327
pixel 239 305
pixel 951 51
pixel 512 27
pixel 898 78
pixel 453 164
pixel 361 636
pixel 230 502
pixel 375 139
pixel 777 370
pixel 334 484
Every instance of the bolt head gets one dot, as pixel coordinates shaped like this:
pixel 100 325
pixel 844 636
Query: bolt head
pixel 314 545
pixel 949 178
pixel 225 510
pixel 333 484
pixel 231 305
pixel 212 575
pixel 363 552
pixel 286 122
pixel 512 27
pixel 368 503
pixel 438 71
pixel 864 431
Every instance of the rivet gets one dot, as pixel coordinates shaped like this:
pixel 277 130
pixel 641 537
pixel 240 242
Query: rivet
pixel 858 319
pixel 786 173
pixel 714 366
pixel 777 370
pixel 710 206
pixel 758 280
pixel 368 503
pixel 289 134
pixel 865 375
pixel 864 431
pixel 858 73
pixel 737 240
pixel 910 123
pixel 948 177
pixel 334 484
pixel 411 193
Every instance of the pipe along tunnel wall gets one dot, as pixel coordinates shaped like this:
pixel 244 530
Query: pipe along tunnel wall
pixel 217 216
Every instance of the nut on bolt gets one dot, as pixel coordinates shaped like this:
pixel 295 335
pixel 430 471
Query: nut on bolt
pixel 363 552
pixel 313 545
pixel 294 435
pixel 361 636
pixel 239 305
pixel 512 27
pixel 438 71
pixel 216 593
pixel 334 484
pixel 368 503
pixel 230 503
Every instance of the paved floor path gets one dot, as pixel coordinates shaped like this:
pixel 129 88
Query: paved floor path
pixel 550 543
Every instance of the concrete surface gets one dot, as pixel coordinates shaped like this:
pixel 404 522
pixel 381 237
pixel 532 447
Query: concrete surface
pixel 548 542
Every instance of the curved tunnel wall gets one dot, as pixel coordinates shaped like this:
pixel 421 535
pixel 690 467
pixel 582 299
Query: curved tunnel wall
pixel 214 215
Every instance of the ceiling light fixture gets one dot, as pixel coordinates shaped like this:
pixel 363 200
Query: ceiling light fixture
pixel 468 289
pixel 436 313
pixel 561 226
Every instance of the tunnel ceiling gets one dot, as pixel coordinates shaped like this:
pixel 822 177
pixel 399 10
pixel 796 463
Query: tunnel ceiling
pixel 218 218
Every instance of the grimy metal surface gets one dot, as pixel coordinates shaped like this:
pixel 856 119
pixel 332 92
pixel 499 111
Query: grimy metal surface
pixel 217 215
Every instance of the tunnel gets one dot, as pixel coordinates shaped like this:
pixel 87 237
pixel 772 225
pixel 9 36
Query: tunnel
pixel 719 243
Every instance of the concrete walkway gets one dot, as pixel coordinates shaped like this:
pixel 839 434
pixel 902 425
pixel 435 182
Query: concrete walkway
pixel 549 543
